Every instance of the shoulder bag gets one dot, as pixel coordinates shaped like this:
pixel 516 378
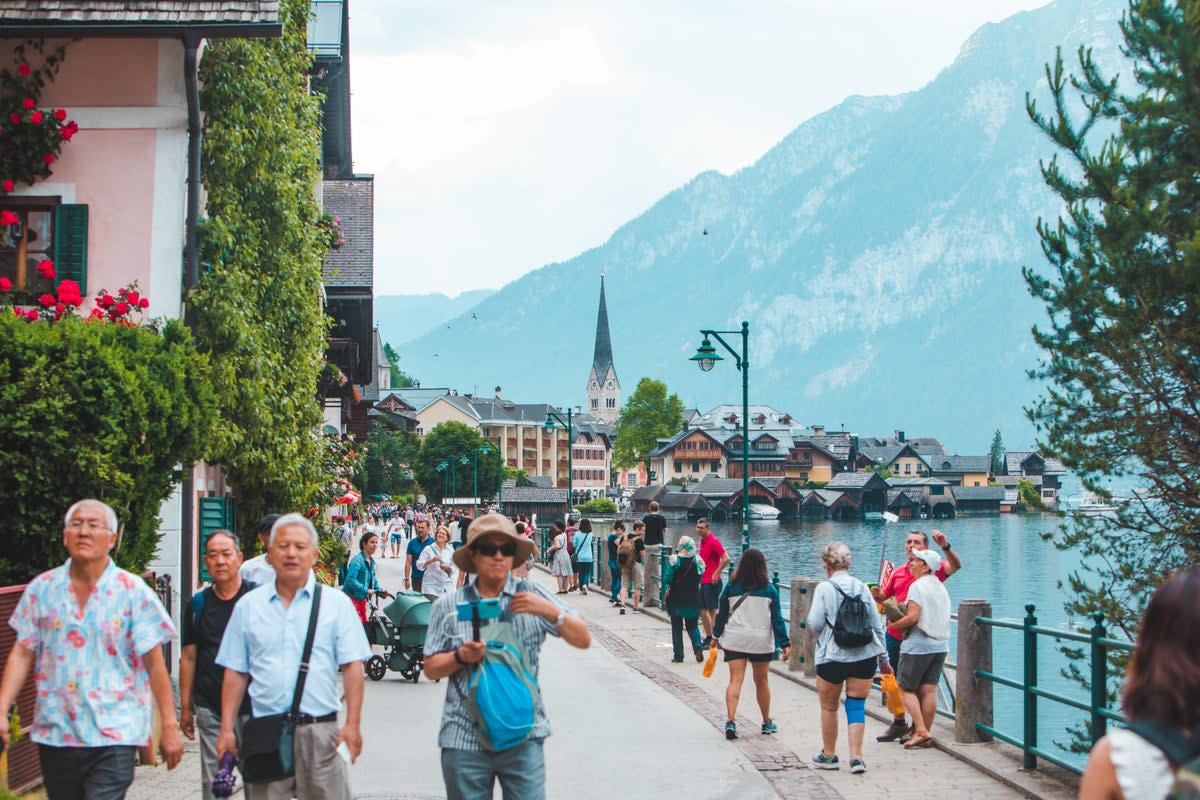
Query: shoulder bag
pixel 268 746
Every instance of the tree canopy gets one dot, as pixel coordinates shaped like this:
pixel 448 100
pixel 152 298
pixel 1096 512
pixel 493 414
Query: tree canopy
pixel 451 443
pixel 648 414
pixel 1122 347
pixel 390 455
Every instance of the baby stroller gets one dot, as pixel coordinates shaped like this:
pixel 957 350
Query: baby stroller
pixel 400 630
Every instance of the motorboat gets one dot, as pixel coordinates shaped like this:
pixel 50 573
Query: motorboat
pixel 762 511
pixel 1092 505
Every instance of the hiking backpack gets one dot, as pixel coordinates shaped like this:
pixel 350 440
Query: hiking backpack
pixel 626 549
pixel 1184 753
pixel 852 624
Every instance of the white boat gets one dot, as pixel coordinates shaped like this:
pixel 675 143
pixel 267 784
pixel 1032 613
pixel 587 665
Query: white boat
pixel 1093 506
pixel 762 511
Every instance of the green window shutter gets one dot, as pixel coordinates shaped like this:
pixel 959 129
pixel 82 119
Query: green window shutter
pixel 70 243
pixel 214 512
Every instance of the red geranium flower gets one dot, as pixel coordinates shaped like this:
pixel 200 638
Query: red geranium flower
pixel 23 70
pixel 96 313
pixel 36 118
pixel 14 118
pixel 143 303
pixel 8 218
pixel 48 159
pixel 5 285
pixel 31 314
pixel 46 269
pixel 68 292
pixel 104 301
pixel 28 104
pixel 121 308
pixel 46 300
pixel 60 114
pixel 8 186
pixel 133 298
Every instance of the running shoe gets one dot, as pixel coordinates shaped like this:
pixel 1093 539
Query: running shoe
pixel 822 761
pixel 897 729
pixel 622 610
pixel 769 727
pixel 858 766
pixel 730 730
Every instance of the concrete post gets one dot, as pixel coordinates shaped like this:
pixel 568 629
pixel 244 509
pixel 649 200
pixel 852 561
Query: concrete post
pixel 972 694
pixel 803 643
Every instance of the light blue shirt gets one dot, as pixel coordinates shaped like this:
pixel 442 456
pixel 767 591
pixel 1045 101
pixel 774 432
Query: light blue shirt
pixel 266 640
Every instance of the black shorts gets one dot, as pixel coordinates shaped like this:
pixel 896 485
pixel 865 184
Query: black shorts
pixel 710 595
pixel 920 670
pixel 755 658
pixel 839 671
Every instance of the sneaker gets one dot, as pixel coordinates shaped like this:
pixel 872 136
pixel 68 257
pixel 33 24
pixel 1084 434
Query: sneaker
pixel 637 610
pixel 822 761
pixel 730 730
pixel 894 731
pixel 857 766
pixel 583 590
pixel 622 610
pixel 699 654
pixel 909 732
pixel 676 660
pixel 769 727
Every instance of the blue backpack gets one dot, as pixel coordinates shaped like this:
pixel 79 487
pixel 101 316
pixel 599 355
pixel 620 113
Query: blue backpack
pixel 502 693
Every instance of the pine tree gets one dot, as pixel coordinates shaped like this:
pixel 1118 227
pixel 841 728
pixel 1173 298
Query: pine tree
pixel 1122 347
pixel 997 453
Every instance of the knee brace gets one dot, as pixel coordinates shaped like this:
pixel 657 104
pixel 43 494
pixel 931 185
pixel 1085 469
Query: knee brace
pixel 856 710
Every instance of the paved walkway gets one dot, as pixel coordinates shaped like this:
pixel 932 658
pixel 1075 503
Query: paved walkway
pixel 628 723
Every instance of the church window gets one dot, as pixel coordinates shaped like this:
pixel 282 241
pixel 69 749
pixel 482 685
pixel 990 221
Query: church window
pixel 595 403
pixel 611 402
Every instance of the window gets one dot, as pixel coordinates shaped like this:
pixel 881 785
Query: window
pixel 937 489
pixel 695 466
pixel 713 466
pixel 595 404
pixel 678 467
pixel 908 468
pixel 631 479
pixel 611 402
pixel 45 230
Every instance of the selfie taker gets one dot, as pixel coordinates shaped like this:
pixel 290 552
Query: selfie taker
pixel 492 630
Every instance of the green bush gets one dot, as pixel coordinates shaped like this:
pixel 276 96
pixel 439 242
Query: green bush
pixel 599 505
pixel 94 409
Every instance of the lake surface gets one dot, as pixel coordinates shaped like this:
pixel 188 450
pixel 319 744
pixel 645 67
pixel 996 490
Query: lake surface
pixel 1005 560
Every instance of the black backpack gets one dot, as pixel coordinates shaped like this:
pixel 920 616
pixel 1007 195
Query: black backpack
pixel 1182 752
pixel 852 624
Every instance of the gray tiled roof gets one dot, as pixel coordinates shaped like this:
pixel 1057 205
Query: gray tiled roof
pixel 994 493
pixel 648 493
pixel 898 480
pixel 829 497
pixel 354 201
pixel 1014 459
pixel 925 445
pixel 140 12
pixel 683 500
pixel 712 486
pixel 850 480
pixel 534 494
pixel 960 463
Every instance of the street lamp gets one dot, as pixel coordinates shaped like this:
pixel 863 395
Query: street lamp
pixel 706 358
pixel 551 416
pixel 443 468
pixel 486 449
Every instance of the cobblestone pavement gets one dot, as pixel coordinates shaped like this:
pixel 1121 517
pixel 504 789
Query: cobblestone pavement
pixel 629 723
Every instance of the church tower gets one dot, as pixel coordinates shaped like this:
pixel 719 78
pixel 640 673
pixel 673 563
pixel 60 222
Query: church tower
pixel 603 389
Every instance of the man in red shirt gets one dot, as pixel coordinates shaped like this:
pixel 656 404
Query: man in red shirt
pixel 715 559
pixel 897 586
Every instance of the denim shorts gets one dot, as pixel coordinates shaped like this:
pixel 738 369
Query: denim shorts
pixel 710 595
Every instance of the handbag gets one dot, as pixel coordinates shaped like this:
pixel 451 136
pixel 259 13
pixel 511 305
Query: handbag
pixel 268 752
pixel 667 594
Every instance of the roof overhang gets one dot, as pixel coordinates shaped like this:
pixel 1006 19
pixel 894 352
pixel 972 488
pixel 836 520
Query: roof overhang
pixel 150 30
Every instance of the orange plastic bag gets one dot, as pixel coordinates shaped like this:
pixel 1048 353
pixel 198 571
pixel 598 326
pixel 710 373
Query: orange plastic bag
pixel 891 693
pixel 710 663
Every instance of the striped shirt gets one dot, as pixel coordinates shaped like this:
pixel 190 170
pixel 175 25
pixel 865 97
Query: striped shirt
pixel 446 633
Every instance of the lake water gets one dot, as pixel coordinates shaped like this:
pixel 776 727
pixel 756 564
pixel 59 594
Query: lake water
pixel 1004 558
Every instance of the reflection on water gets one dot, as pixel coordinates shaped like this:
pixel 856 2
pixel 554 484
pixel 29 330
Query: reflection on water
pixel 1005 561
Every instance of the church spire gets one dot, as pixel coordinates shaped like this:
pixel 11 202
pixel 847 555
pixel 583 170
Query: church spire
pixel 602 359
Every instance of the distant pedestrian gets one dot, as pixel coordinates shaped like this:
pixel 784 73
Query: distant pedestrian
pixel 413 574
pixel 436 563
pixel 750 628
pixel 573 581
pixel 631 556
pixel 92 635
pixel 361 581
pixel 560 559
pixel 583 554
pixel 656 525
pixel 614 569
pixel 528 615
pixel 522 570
pixel 202 626
pixel 715 559
pixel 262 648
pixel 1161 700
pixel 394 534
pixel 682 599
pixel 837 664
pixel 923 652
pixel 258 570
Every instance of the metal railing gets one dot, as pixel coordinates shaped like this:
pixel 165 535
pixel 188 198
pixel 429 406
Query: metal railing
pixel 1099 644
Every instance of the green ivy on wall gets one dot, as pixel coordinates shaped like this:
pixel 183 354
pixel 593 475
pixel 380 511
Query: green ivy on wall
pixel 93 408
pixel 258 306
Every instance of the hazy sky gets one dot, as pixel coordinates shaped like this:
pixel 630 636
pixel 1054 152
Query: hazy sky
pixel 507 135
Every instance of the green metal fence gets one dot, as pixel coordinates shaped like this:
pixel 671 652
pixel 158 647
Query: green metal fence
pixel 1099 645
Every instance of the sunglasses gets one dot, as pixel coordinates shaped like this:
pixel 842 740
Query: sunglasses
pixel 489 549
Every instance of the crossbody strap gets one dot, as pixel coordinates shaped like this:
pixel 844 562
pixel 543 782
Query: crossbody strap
pixel 738 604
pixel 307 653
pixel 1177 748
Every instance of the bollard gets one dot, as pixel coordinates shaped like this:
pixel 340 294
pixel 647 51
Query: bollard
pixel 1099 678
pixel 972 694
pixel 804 644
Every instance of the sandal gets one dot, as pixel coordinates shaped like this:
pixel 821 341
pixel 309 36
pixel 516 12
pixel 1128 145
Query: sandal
pixel 919 741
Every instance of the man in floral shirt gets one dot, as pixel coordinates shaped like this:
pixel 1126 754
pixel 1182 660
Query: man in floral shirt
pixel 93 633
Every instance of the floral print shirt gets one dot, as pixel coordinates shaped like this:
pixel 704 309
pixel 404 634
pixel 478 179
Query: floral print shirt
pixel 92 687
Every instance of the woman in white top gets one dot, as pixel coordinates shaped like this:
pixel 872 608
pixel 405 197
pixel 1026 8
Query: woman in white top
pixel 926 643
pixel 1161 699
pixel 560 559
pixel 437 560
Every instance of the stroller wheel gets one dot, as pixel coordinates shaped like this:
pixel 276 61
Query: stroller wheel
pixel 376 668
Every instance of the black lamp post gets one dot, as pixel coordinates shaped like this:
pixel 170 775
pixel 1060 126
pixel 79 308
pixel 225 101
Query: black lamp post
pixel 551 416
pixel 707 357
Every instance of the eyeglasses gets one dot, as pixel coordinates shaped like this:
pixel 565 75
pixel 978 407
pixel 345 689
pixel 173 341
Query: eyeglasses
pixel 489 549
pixel 91 525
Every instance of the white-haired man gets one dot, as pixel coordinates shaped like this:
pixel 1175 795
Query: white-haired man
pixel 94 633
pixel 262 647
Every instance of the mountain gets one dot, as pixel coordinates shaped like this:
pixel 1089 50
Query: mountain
pixel 876 252
pixel 404 317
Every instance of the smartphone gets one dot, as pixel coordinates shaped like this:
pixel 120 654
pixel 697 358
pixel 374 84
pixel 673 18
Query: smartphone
pixel 343 750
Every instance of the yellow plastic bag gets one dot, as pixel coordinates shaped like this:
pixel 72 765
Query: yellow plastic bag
pixel 891 693
pixel 710 663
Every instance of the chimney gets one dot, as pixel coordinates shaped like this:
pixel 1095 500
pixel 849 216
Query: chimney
pixel 900 436
pixel 497 392
pixel 818 430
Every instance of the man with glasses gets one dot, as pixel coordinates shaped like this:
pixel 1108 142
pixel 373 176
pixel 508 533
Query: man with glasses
pixel 470 771
pixel 93 634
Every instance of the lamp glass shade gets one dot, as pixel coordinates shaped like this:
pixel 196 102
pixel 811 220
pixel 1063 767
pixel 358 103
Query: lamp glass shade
pixel 706 355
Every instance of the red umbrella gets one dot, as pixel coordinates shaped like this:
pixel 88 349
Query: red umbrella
pixel 348 499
